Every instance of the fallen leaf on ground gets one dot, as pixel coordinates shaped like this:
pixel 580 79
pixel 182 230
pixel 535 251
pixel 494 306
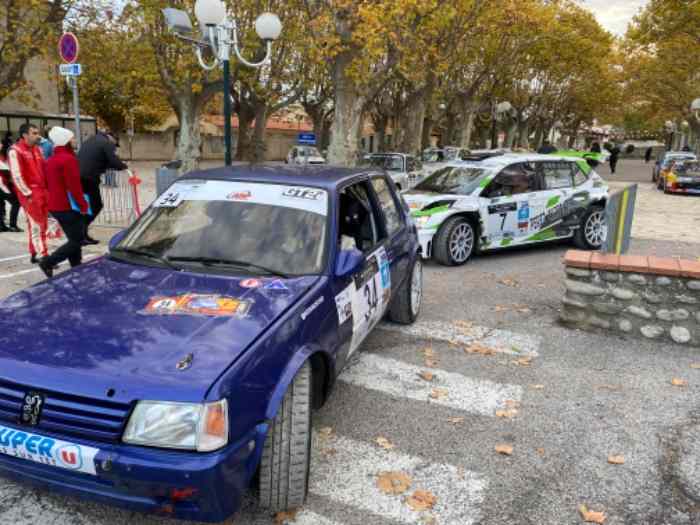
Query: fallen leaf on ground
pixel 428 351
pixel 696 366
pixel 427 376
pixel 679 382
pixel 523 361
pixel 431 363
pixel 478 348
pixel 384 443
pixel 537 387
pixel 506 413
pixel 438 393
pixel 512 403
pixel 455 420
pixel 616 460
pixel 421 500
pixel 590 516
pixel 522 309
pixel 506 450
pixel 428 520
pixel 609 387
pixel 540 451
pixel 326 432
pixel 393 482
pixel 500 308
pixel 285 517
pixel 509 282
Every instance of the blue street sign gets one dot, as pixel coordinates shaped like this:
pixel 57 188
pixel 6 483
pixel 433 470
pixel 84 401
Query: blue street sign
pixel 307 138
pixel 70 70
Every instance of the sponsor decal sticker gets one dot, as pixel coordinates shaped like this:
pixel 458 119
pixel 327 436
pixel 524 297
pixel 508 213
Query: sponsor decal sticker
pixel 303 193
pixel 275 285
pixel 48 451
pixel 197 304
pixel 343 303
pixel 251 283
pixel 503 208
pixel 239 196
pixel 32 405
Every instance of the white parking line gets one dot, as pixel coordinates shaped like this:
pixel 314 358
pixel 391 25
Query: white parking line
pixel 14 258
pixel 501 341
pixel 399 379
pixel 345 471
pixel 307 517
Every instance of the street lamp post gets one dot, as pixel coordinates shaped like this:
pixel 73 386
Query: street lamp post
pixel 220 33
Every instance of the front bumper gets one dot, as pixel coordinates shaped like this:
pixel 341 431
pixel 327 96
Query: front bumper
pixel 684 187
pixel 425 239
pixel 183 485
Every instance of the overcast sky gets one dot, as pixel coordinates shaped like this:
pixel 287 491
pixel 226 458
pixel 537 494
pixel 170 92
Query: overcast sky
pixel 614 15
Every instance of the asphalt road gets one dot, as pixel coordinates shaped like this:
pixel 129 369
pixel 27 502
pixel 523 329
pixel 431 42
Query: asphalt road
pixel 571 399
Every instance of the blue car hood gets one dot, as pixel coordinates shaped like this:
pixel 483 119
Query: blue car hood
pixel 87 330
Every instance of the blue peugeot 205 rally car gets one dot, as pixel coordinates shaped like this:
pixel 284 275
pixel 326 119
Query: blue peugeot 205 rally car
pixel 182 367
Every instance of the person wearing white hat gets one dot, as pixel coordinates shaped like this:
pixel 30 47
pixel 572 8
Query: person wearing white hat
pixel 65 192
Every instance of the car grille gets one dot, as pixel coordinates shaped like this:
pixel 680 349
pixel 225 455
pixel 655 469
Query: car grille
pixel 66 414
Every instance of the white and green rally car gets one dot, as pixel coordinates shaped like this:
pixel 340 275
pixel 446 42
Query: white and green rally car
pixel 508 200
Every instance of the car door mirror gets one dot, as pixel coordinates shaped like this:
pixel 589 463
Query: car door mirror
pixel 349 262
pixel 116 239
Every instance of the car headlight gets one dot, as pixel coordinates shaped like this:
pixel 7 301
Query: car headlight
pixel 190 426
pixel 421 222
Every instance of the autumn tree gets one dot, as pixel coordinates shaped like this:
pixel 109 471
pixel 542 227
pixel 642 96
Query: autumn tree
pixel 28 29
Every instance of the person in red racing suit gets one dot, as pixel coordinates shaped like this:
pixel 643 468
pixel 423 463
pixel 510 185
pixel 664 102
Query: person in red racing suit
pixel 27 168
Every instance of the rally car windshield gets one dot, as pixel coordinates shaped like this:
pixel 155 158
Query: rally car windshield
pixel 456 180
pixel 233 226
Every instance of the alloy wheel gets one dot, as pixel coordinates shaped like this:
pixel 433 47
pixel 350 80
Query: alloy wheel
pixel 461 242
pixel 596 230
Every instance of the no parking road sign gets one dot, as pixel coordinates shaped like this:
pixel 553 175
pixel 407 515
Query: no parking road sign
pixel 68 47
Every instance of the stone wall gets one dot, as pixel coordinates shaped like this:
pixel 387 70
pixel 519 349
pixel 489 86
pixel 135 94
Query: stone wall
pixel 650 297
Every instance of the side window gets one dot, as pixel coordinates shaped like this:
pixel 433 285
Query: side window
pixel 579 176
pixel 357 222
pixel 513 180
pixel 392 216
pixel 557 175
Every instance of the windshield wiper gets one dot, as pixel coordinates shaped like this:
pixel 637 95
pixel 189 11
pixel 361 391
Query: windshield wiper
pixel 217 261
pixel 143 253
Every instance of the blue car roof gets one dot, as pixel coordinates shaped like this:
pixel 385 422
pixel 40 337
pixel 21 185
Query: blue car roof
pixel 326 177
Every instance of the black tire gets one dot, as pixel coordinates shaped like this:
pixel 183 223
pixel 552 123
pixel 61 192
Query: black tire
pixel 403 310
pixel 284 467
pixel 445 236
pixel 580 239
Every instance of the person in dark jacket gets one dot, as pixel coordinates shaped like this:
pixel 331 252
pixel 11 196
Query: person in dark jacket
pixel 595 148
pixel 7 194
pixel 97 155
pixel 614 155
pixel 647 155
pixel 546 148
pixel 65 191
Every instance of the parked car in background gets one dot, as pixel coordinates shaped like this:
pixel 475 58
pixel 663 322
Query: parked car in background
pixel 304 155
pixel 183 366
pixel 402 168
pixel 664 159
pixel 680 176
pixel 436 158
pixel 507 200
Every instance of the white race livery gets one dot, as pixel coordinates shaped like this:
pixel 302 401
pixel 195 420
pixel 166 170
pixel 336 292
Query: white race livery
pixel 507 200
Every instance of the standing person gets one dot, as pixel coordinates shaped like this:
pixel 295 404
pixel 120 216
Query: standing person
pixel 614 155
pixel 97 155
pixel 63 181
pixel 546 148
pixel 46 144
pixel 647 155
pixel 27 168
pixel 7 193
pixel 7 142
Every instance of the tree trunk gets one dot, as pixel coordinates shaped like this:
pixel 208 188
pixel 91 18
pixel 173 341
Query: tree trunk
pixel 412 123
pixel 259 148
pixel 189 139
pixel 245 118
pixel 467 128
pixel 380 122
pixel 450 135
pixel 347 121
pixel 511 132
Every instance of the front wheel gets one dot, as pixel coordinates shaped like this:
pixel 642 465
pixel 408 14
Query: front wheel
pixel 454 243
pixel 406 305
pixel 593 229
pixel 284 467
